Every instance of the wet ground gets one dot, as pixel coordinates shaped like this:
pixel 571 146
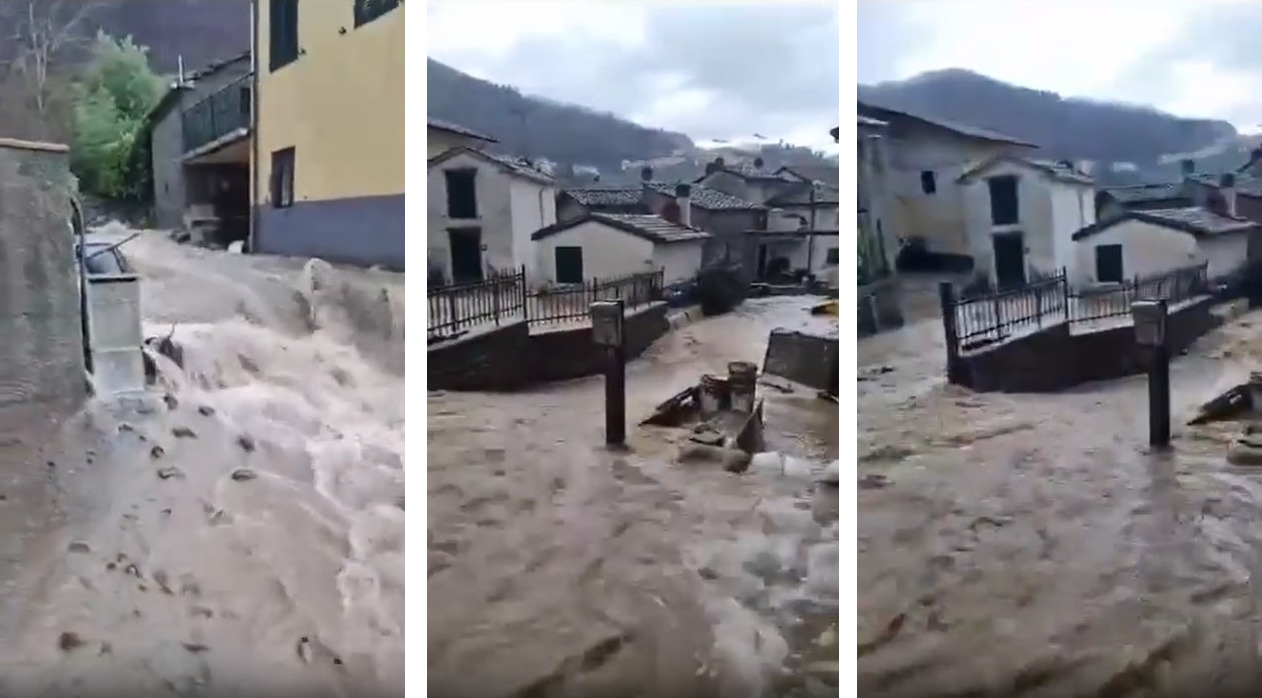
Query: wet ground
pixel 559 569
pixel 1032 545
pixel 242 528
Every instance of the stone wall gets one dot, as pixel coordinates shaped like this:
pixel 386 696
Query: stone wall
pixel 880 307
pixel 1056 359
pixel 41 355
pixel 511 357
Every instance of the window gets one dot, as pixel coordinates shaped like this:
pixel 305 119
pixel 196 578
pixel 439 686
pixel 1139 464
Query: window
pixel 832 258
pixel 1108 263
pixel 462 194
pixel 244 101
pixel 569 263
pixel 282 33
pixel 1004 208
pixel 928 182
pixel 283 178
pixel 368 10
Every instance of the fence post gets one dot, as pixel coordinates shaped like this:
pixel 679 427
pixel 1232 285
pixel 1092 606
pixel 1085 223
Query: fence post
pixel 998 317
pixel 1038 305
pixel 525 306
pixel 1064 291
pixel 495 298
pixel 452 309
pixel 946 299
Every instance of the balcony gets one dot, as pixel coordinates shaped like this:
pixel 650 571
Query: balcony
pixel 219 120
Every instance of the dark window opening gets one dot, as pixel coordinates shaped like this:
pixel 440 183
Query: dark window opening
pixel 244 102
pixel 368 10
pixel 1004 205
pixel 1108 263
pixel 283 178
pixel 928 182
pixel 569 263
pixel 282 33
pixel 462 194
pixel 833 256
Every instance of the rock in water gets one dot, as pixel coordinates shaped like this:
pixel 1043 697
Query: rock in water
pixel 1244 453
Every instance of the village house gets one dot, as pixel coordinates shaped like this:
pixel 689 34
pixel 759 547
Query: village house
pixel 724 216
pixel 482 211
pixel 441 136
pixel 1021 214
pixel 926 157
pixel 328 155
pixel 608 245
pixel 1113 202
pixel 199 138
pixel 1144 243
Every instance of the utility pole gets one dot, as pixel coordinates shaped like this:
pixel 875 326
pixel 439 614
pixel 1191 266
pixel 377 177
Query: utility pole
pixel 607 332
pixel 1151 333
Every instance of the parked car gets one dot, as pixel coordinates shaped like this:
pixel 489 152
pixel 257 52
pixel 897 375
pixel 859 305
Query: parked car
pixel 103 258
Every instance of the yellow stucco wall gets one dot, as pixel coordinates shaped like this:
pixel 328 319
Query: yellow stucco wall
pixel 340 105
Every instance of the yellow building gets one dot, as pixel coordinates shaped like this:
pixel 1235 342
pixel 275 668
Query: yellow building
pixel 328 151
pixel 441 136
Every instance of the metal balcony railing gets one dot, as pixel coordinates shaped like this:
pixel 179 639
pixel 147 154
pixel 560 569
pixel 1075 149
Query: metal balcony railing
pixel 218 115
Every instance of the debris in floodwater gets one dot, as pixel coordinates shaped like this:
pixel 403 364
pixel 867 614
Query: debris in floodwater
pixel 78 547
pixel 69 641
pixel 1235 402
pixel 195 647
pixel 170 401
pixel 183 432
pixel 873 481
pixel 243 474
pixel 205 410
pixel 246 442
pixel 170 472
pixel 156 452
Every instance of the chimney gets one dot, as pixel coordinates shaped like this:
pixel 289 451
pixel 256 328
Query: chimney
pixel 1187 167
pixel 646 174
pixel 1227 187
pixel 683 199
pixel 758 163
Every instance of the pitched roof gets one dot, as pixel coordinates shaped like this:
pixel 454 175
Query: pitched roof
pixel 747 170
pixel 1058 171
pixel 1145 193
pixel 457 129
pixel 824 194
pixel 653 228
pixel 701 197
pixel 1244 186
pixel 828 174
pixel 886 113
pixel 507 164
pixel 1194 220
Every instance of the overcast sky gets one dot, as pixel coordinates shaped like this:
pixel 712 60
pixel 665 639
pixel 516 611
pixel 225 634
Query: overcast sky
pixel 711 71
pixel 1199 58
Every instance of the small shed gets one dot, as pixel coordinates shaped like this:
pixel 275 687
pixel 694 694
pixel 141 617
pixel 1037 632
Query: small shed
pixel 604 245
pixel 1149 242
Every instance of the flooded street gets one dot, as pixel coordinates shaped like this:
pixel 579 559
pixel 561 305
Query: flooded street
pixel 1029 544
pixel 242 528
pixel 559 569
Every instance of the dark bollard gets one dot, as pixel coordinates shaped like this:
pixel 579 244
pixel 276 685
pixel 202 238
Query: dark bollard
pixel 607 326
pixel 1151 333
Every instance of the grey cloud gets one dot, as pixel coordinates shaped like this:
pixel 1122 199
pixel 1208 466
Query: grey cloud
pixel 770 69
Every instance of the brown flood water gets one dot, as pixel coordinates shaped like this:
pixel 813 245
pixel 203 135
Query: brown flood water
pixel 1030 545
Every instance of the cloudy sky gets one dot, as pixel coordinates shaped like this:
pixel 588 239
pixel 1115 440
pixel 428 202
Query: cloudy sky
pixel 1199 58
pixel 712 71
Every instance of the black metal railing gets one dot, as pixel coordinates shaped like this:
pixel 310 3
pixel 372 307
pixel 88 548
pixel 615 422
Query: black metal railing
pixel 990 318
pixel 1174 286
pixel 980 320
pixel 454 309
pixel 218 114
pixel 573 302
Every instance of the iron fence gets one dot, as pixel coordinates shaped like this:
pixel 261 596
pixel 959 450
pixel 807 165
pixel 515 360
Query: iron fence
pixel 1174 286
pixel 460 306
pixel 572 302
pixel 974 322
pixel 991 318
pixel 506 297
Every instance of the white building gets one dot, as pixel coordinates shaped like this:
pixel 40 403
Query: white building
pixel 482 211
pixel 925 158
pixel 606 245
pixel 1021 214
pixel 1151 242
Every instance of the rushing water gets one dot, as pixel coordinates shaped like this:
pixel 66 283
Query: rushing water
pixel 242 529
pixel 1032 545
pixel 557 568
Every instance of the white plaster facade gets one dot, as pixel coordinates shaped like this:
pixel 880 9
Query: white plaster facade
pixel 1149 249
pixel 1050 211
pixel 510 206
pixel 611 252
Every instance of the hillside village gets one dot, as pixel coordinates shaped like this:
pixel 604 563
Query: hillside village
pixel 491 214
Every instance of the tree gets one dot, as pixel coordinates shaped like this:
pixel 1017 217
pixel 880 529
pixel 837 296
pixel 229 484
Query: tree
pixel 112 101
pixel 39 37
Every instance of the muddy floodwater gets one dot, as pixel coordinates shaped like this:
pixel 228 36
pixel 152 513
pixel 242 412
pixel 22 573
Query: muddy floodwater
pixel 1032 545
pixel 240 530
pixel 559 569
